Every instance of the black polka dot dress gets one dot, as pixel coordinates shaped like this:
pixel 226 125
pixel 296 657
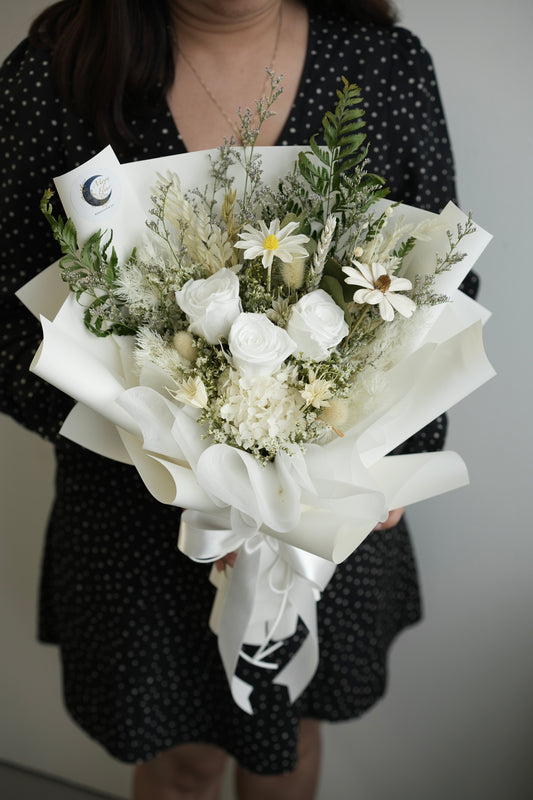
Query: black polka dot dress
pixel 141 670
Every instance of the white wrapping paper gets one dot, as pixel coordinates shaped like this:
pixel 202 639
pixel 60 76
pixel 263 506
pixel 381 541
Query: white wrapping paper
pixel 293 519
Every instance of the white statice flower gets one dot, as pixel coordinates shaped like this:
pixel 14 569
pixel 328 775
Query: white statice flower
pixel 211 304
pixel 190 391
pixel 379 288
pixel 272 241
pixel 317 392
pixel 258 347
pixel 259 409
pixel 317 325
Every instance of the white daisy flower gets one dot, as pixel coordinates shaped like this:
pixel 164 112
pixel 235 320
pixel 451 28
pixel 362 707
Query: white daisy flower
pixel 272 241
pixel 379 288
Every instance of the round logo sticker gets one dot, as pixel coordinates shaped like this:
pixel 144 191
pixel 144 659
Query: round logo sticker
pixel 97 194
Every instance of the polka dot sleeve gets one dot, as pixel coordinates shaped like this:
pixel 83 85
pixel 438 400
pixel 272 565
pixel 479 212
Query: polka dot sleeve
pixel 420 144
pixel 420 147
pixel 418 136
pixel 27 120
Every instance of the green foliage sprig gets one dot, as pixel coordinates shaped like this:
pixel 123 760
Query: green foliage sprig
pixel 335 173
pixel 91 273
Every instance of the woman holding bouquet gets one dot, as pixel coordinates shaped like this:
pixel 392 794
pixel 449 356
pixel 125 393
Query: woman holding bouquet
pixel 141 670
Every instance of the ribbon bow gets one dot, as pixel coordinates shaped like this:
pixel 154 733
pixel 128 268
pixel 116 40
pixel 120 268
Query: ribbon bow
pixel 270 586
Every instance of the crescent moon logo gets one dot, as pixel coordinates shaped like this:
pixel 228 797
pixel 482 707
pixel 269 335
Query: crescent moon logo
pixel 96 190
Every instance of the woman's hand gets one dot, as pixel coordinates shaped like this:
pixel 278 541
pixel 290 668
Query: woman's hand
pixel 393 519
pixel 226 561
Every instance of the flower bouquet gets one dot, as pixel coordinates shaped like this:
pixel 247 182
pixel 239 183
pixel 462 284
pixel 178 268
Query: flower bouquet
pixel 257 330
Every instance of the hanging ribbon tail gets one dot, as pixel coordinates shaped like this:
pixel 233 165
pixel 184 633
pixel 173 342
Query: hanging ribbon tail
pixel 311 576
pixel 206 538
pixel 236 615
pixel 303 665
pixel 241 692
pixel 268 575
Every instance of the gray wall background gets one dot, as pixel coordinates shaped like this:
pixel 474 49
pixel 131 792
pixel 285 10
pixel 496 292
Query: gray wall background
pixel 457 720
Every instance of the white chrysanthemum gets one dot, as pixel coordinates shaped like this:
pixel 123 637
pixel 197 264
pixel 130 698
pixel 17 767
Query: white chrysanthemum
pixel 379 288
pixel 260 408
pixel 272 241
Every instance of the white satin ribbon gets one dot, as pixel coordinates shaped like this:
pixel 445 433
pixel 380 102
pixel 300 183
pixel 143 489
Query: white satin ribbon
pixel 271 585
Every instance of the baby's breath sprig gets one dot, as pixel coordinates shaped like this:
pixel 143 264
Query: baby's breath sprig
pixel 158 213
pixel 263 110
pixel 423 291
pixel 220 165
pixel 453 255
pixel 249 132
pixel 256 296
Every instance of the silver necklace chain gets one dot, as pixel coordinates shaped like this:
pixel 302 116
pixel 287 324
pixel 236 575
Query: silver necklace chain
pixel 231 122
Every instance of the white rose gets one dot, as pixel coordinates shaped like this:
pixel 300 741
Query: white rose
pixel 317 325
pixel 257 345
pixel 211 304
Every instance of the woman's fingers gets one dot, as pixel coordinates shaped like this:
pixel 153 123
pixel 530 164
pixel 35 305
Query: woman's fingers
pixel 226 561
pixel 393 519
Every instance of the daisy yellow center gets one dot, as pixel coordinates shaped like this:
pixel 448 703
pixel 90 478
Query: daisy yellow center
pixel 271 242
pixel 383 283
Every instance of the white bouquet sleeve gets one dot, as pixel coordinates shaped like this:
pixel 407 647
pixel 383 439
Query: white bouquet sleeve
pixel 292 517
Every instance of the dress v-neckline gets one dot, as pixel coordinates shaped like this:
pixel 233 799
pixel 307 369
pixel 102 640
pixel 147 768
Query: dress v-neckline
pixel 286 125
